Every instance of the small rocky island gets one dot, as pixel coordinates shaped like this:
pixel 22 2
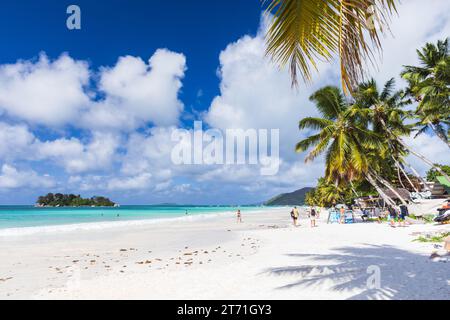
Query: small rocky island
pixel 72 200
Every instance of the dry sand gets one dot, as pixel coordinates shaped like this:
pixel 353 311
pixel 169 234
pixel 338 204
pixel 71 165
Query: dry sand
pixel 263 258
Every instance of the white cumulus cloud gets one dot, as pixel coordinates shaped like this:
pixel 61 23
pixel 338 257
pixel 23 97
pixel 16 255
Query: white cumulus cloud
pixel 44 92
pixel 11 178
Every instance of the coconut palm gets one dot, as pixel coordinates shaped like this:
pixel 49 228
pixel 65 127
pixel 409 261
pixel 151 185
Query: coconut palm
pixel 429 84
pixel 345 140
pixel 436 120
pixel 304 31
pixel 384 111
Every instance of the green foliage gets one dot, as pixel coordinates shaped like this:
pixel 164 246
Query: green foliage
pixel 71 200
pixel 304 32
pixel 433 173
pixel 362 138
pixel 429 84
pixel 328 194
pixel 433 238
pixel 342 137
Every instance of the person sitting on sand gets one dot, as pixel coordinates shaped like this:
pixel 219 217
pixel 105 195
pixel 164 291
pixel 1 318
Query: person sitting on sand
pixel 239 216
pixel 445 206
pixel 312 216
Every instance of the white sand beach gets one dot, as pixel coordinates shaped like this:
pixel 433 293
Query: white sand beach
pixel 263 258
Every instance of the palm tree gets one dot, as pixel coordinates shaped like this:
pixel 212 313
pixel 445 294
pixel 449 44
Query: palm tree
pixel 384 111
pixel 344 139
pixel 436 120
pixel 429 84
pixel 304 31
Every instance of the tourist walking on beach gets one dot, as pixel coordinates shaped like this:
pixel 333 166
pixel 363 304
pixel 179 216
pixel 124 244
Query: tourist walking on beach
pixel 342 215
pixel 393 215
pixel 312 216
pixel 239 216
pixel 295 215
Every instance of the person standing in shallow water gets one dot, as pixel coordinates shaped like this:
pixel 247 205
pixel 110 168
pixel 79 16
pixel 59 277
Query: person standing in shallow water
pixel 239 216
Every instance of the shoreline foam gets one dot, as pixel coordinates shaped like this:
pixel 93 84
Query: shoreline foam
pixel 88 226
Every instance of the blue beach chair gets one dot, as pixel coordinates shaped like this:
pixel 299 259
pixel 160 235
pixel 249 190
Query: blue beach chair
pixel 333 216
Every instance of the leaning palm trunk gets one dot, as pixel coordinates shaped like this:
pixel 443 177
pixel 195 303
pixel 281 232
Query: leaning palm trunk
pixel 400 178
pixel 425 183
pixel 399 167
pixel 354 190
pixel 390 187
pixel 430 163
pixel 422 157
pixel 439 134
pixel 383 195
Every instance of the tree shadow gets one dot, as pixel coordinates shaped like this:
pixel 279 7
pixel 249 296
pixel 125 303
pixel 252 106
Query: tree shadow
pixel 403 275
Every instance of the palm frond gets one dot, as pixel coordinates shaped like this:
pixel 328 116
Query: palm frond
pixel 314 123
pixel 388 89
pixel 304 31
pixel 308 143
pixel 329 101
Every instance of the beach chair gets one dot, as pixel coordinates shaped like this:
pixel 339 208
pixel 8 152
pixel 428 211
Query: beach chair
pixel 333 216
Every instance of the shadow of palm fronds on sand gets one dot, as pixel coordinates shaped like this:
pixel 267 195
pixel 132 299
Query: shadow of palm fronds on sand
pixel 403 275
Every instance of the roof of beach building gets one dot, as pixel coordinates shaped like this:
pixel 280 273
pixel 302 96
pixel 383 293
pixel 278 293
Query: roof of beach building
pixel 402 192
pixel 444 182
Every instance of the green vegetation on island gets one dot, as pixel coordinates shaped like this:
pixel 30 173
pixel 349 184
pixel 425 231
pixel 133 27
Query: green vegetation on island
pixel 72 200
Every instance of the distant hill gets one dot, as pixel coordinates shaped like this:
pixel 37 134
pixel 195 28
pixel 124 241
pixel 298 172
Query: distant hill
pixel 289 199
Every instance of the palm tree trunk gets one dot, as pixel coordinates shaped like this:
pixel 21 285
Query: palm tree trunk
pixel 439 134
pixel 383 195
pixel 400 178
pixel 399 166
pixel 423 158
pixel 353 189
pixel 424 182
pixel 390 187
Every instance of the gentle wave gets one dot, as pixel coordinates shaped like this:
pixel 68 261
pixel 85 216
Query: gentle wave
pixel 88 226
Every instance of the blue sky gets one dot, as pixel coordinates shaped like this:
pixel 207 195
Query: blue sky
pixel 91 111
pixel 111 28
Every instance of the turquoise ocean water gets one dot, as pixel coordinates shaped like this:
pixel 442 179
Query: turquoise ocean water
pixel 28 216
